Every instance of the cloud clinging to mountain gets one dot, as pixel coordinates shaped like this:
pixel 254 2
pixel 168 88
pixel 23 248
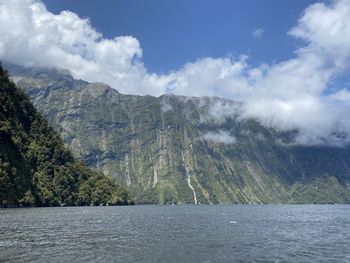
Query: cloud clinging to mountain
pixel 286 95
pixel 220 136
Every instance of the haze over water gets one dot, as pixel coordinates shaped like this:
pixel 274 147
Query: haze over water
pixel 267 233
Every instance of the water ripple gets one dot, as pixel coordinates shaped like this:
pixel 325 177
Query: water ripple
pixel 267 233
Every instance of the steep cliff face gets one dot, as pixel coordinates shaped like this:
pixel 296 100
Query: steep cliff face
pixel 35 167
pixel 176 149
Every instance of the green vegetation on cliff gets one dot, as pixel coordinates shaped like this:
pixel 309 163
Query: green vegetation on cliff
pixel 173 149
pixel 35 167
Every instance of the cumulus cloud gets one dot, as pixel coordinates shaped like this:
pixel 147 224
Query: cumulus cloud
pixel 31 35
pixel 257 33
pixel 327 29
pixel 341 96
pixel 222 77
pixel 220 136
pixel 291 94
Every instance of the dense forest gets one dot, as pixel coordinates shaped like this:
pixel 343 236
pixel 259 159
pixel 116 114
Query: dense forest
pixel 35 167
pixel 172 149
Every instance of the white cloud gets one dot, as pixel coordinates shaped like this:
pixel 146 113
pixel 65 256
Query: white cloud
pixel 220 77
pixel 221 136
pixel 217 110
pixel 327 29
pixel 341 96
pixel 165 104
pixel 31 35
pixel 257 33
pixel 292 94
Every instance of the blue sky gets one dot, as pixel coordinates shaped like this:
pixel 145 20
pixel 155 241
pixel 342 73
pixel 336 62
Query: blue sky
pixel 287 61
pixel 173 33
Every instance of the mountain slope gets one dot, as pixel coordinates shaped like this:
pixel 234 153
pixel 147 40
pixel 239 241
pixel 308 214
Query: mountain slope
pixel 35 167
pixel 175 149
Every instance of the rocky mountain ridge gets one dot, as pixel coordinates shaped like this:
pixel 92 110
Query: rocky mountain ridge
pixel 35 167
pixel 174 149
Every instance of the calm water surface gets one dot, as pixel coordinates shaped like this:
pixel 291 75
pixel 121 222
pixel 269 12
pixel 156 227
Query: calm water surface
pixel 205 233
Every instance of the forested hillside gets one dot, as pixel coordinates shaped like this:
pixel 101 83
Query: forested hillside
pixel 173 149
pixel 35 167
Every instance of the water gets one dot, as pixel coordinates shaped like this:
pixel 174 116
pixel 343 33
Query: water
pixel 266 233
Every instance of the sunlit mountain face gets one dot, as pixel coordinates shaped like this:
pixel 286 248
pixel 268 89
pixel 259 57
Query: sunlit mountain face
pixel 177 149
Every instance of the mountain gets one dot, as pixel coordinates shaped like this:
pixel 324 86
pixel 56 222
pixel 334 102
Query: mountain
pixel 35 167
pixel 173 149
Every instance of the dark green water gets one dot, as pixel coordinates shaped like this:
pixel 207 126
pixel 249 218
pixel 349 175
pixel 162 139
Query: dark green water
pixel 204 233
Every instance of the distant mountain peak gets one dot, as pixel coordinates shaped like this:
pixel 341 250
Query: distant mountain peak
pixel 155 145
